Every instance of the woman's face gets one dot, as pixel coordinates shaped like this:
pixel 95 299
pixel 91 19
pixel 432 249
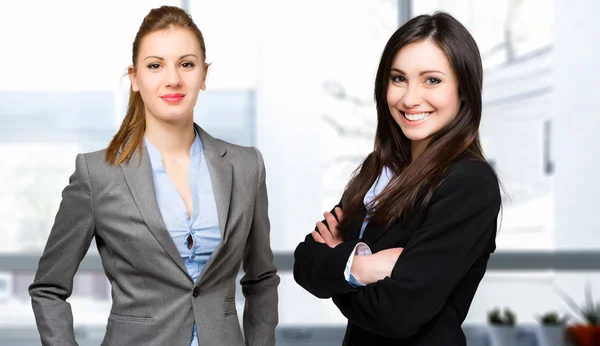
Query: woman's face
pixel 170 71
pixel 422 93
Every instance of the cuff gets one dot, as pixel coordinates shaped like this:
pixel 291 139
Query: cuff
pixel 361 249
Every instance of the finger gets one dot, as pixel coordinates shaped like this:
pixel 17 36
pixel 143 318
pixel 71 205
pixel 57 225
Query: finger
pixel 317 237
pixel 339 213
pixel 331 222
pixel 324 232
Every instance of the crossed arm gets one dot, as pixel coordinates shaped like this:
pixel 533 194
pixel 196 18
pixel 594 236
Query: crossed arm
pixel 459 224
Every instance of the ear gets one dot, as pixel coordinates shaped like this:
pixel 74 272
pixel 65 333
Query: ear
pixel 133 78
pixel 204 74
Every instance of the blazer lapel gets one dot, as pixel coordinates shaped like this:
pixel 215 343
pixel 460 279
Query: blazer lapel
pixel 373 233
pixel 221 176
pixel 141 184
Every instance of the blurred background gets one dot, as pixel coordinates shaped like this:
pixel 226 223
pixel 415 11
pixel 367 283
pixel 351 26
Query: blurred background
pixel 295 79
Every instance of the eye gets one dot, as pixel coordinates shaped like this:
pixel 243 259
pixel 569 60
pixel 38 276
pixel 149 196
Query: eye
pixel 188 65
pixel 432 81
pixel 153 66
pixel 398 79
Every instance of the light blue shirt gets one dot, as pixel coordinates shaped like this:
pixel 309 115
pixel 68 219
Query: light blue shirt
pixel 203 226
pixel 361 248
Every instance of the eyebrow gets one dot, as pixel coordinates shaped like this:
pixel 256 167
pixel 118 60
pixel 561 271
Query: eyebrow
pixel 161 58
pixel 420 73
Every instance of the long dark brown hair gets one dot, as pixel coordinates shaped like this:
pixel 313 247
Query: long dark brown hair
pixel 415 180
pixel 131 133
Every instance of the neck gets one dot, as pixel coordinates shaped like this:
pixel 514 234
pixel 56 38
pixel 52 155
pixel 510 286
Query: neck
pixel 171 139
pixel 418 147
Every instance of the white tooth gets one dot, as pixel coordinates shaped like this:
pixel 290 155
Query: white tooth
pixel 415 117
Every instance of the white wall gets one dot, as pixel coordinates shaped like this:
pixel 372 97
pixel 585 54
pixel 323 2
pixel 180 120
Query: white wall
pixel 576 112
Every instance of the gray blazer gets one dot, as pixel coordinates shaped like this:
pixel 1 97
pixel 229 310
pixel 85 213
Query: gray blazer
pixel 154 301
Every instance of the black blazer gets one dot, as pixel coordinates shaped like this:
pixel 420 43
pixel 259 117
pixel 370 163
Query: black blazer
pixel 446 249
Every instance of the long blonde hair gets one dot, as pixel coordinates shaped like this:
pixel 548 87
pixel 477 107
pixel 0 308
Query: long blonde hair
pixel 131 133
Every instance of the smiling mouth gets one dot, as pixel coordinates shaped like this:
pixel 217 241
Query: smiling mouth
pixel 416 116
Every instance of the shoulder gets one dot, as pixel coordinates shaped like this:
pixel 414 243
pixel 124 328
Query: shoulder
pixel 100 171
pixel 471 175
pixel 96 161
pixel 246 160
pixel 95 157
pixel 240 154
pixel 86 167
pixel 472 167
pixel 237 151
pixel 234 153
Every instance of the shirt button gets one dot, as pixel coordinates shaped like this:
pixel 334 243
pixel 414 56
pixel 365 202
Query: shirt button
pixel 196 292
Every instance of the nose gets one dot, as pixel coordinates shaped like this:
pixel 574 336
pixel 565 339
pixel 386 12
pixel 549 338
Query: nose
pixel 172 78
pixel 413 96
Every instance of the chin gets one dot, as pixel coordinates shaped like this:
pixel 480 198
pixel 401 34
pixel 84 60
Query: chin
pixel 173 116
pixel 415 135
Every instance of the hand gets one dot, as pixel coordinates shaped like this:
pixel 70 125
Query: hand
pixel 372 268
pixel 330 236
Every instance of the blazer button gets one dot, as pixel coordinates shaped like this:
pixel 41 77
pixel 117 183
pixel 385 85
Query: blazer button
pixel 196 292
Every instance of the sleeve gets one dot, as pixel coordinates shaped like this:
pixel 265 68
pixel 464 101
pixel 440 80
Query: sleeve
pixel 361 249
pixel 260 280
pixel 319 269
pixel 460 221
pixel 67 244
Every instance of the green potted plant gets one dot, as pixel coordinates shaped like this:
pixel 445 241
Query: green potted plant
pixel 587 331
pixel 552 328
pixel 502 326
